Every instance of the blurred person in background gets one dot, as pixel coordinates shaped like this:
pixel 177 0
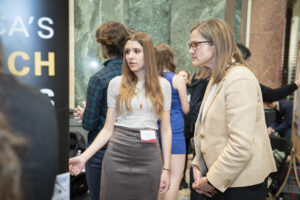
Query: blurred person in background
pixel 185 74
pixel 11 149
pixel 30 114
pixel 269 94
pixel 179 106
pixel 112 37
pixel 283 118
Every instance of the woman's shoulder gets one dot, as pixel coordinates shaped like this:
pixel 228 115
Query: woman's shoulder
pixel 163 80
pixel 115 81
pixel 164 83
pixel 240 71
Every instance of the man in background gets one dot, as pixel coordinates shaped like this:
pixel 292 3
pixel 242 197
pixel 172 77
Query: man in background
pixel 112 37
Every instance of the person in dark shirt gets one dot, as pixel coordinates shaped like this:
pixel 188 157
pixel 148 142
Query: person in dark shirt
pixel 112 37
pixel 198 86
pixel 283 118
pixel 269 95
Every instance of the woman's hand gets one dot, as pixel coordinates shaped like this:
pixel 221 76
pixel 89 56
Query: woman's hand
pixel 197 173
pixel 270 130
pixel 76 165
pixel 297 82
pixel 200 184
pixel 164 181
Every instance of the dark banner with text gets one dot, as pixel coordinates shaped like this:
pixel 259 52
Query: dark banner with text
pixel 34 37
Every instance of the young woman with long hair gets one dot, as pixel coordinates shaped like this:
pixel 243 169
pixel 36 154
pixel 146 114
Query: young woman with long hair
pixel 132 165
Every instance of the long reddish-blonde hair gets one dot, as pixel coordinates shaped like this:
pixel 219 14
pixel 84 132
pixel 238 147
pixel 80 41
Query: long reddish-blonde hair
pixel 129 79
pixel 164 58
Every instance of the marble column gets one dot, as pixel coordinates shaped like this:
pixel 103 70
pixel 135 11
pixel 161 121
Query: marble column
pixel 267 40
pixel 184 16
pixel 167 21
pixel 152 17
pixel 86 21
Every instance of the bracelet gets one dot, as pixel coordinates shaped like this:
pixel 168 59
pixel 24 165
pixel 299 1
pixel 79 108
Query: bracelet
pixel 165 169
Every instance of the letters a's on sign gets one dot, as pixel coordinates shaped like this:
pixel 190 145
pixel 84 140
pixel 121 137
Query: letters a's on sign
pixel 20 26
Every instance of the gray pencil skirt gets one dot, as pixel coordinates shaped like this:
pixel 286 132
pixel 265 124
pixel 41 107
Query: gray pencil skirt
pixel 131 170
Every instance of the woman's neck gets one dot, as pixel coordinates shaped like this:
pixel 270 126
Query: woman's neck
pixel 140 74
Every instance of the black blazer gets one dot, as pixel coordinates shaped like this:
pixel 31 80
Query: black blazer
pixel 270 95
pixel 197 90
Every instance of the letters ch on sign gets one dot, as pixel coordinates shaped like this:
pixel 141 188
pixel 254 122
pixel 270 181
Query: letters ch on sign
pixel 38 63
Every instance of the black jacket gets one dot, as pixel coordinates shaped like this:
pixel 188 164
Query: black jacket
pixel 197 90
pixel 270 95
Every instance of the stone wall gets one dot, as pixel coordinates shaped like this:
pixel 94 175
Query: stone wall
pixel 167 21
pixel 267 40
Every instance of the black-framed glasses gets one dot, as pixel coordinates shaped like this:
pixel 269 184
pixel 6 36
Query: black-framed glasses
pixel 194 45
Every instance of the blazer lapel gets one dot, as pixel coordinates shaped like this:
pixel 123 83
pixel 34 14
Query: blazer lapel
pixel 197 124
pixel 217 89
pixel 210 84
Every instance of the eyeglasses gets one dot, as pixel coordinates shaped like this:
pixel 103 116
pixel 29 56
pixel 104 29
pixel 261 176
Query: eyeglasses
pixel 194 45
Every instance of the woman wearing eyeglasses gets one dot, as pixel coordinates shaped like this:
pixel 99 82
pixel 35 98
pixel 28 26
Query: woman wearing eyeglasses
pixel 233 151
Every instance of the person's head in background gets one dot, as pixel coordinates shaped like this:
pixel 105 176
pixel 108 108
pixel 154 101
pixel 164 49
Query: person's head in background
pixel 185 74
pixel 164 58
pixel 244 50
pixel 11 147
pixel 131 31
pixel 112 37
pixel 212 46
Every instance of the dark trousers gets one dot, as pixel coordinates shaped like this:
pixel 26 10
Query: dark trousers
pixel 255 192
pixel 187 145
pixel 194 195
pixel 93 174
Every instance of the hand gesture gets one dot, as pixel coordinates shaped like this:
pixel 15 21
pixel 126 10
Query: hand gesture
pixel 297 81
pixel 164 182
pixel 270 130
pixel 200 184
pixel 79 111
pixel 202 187
pixel 76 165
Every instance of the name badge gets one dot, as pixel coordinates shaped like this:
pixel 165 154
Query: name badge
pixel 148 136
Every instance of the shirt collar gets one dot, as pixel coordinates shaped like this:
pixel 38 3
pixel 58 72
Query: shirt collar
pixel 113 61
